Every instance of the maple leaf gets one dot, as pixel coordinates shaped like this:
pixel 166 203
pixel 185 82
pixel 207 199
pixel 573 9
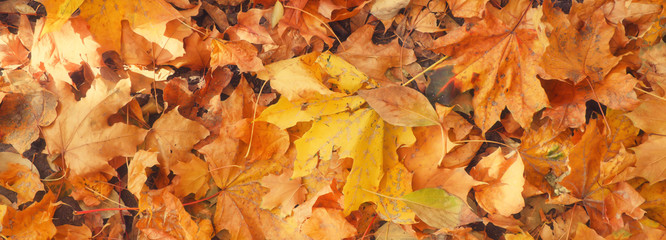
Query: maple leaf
pixel 496 57
pixel 73 232
pixel 148 20
pixel 385 10
pixel 173 136
pixel 163 215
pixel 654 199
pixel 283 191
pixel 649 159
pixel 467 8
pixel 238 206
pixel 60 52
pixel 502 194
pixel 578 49
pixel 249 27
pixel 91 189
pixel 374 60
pixel 544 149
pixel 137 175
pixel 191 177
pixel 297 79
pixel 12 51
pixel 33 222
pixel 26 106
pixel 136 49
pixel 240 53
pixel 568 100
pixel 327 223
pixel 197 51
pixel 81 135
pixel 17 174
pixel 305 17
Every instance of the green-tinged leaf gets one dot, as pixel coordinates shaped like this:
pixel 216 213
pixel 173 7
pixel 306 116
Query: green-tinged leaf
pixel 435 207
pixel 401 106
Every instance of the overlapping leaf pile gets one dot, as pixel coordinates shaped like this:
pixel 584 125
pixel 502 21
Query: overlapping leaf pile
pixel 304 119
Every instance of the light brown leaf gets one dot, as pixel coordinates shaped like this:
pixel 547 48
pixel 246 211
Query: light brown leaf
pixel 165 217
pixel 374 60
pixel 401 106
pixel 240 53
pixel 137 171
pixel 61 52
pixel 12 52
pixel 283 191
pixel 651 160
pixel 328 224
pixel 192 177
pixel 81 134
pixel 502 194
pixel 173 136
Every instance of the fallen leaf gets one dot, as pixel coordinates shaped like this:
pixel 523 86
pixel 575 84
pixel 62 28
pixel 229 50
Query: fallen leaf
pixel 467 8
pixel 249 28
pixel 105 18
pixel 16 177
pixel 12 52
pixel 568 101
pixel 33 222
pixel 136 49
pixel 192 177
pixel 649 116
pixel 545 149
pixel 81 135
pixel 283 191
pixel 650 163
pixel 401 106
pixel 26 107
pixel 502 194
pixel 297 79
pixel 265 140
pixel 61 52
pixel 374 60
pixel 387 9
pixel 161 210
pixel 393 231
pixel 497 58
pixel 173 136
pixel 92 189
pixel 328 224
pixel 435 207
pixel 73 232
pixel 240 53
pixel 137 174
pixel 284 114
pixel 584 232
pixel 578 52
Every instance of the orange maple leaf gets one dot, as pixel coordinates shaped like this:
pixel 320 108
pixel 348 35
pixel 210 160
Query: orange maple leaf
pixel 497 58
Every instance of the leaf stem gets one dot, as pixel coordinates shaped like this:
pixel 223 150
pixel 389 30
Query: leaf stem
pixel 425 70
pixel 382 195
pixel 484 141
pixel 650 93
